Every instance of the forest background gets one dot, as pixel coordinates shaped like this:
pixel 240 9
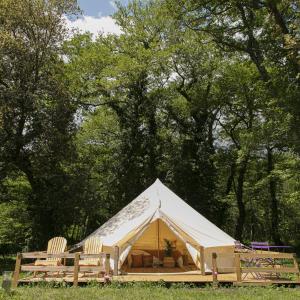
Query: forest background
pixel 204 95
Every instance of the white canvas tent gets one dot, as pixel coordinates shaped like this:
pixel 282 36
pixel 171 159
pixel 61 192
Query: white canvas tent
pixel 159 213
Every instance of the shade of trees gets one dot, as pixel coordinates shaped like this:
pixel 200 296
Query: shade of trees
pixel 202 94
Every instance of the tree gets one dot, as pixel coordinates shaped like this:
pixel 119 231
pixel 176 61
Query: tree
pixel 187 109
pixel 36 106
pixel 265 31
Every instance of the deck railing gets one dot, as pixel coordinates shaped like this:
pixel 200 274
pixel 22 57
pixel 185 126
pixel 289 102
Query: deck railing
pixel 257 264
pixel 63 268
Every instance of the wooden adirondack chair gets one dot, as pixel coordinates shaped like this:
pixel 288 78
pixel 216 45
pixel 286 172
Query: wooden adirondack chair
pixel 55 246
pixel 93 245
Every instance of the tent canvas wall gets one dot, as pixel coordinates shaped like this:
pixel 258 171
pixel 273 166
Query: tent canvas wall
pixel 133 226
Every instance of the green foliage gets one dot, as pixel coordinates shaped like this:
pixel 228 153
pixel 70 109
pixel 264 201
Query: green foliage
pixel 204 95
pixel 36 108
pixel 15 226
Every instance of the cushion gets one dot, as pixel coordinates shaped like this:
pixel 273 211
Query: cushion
pixel 139 252
pixel 89 262
pixel 147 261
pixel 156 261
pixel 137 260
pixel 129 261
pixel 134 252
pixel 176 254
pixel 180 262
pixel 185 259
pixel 44 262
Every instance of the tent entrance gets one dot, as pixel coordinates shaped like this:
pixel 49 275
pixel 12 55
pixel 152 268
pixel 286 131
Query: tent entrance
pixel 148 253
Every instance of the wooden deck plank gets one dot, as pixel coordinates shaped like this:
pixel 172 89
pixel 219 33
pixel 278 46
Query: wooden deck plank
pixel 269 269
pixel 175 277
pixel 183 277
pixel 31 268
pixel 268 255
pixel 60 279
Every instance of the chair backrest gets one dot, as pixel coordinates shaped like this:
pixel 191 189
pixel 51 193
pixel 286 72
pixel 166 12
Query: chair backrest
pixel 57 245
pixel 260 245
pixel 92 245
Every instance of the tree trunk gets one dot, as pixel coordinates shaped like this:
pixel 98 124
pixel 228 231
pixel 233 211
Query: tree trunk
pixel 230 179
pixel 152 145
pixel 274 202
pixel 239 198
pixel 41 214
pixel 280 21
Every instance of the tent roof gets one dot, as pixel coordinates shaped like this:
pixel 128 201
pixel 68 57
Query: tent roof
pixel 158 201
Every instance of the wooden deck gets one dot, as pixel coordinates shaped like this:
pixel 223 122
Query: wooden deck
pixel 245 272
pixel 190 276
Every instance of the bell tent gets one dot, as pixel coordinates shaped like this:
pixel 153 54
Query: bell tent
pixel 157 215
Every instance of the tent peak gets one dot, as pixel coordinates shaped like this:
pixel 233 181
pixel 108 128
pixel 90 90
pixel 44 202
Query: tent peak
pixel 157 181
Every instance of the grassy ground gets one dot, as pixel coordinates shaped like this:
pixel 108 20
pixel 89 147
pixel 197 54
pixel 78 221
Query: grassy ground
pixel 143 292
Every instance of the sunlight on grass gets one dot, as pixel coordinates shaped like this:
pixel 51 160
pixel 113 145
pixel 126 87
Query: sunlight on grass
pixel 150 291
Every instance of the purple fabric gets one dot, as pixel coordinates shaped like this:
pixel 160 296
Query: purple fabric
pixel 265 245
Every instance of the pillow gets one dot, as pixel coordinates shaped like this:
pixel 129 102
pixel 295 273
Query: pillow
pixel 180 262
pixel 135 252
pixel 137 261
pixel 147 261
pixel 185 259
pixel 176 254
pixel 156 261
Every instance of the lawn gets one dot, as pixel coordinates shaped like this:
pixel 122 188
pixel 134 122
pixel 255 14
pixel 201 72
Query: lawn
pixel 138 291
pixel 143 291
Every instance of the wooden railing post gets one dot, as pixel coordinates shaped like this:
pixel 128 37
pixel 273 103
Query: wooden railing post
pixel 202 263
pixel 238 270
pixel 107 264
pixel 17 270
pixel 76 269
pixel 214 269
pixel 296 266
pixel 116 261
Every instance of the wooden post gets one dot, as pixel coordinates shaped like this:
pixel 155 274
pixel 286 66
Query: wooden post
pixel 296 266
pixel 238 268
pixel 214 269
pixel 76 269
pixel 202 263
pixel 17 270
pixel 116 261
pixel 107 264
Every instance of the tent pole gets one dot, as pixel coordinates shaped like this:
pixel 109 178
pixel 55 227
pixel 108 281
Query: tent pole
pixel 158 239
pixel 202 262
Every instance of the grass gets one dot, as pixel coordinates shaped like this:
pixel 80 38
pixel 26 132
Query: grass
pixel 150 291
pixel 142 291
